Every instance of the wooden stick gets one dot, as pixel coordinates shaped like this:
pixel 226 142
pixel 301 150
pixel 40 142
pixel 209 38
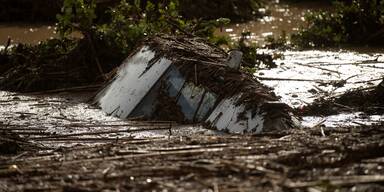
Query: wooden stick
pixel 78 88
pixel 329 70
pixel 89 38
pixel 101 133
pixel 205 62
pixel 196 75
pixel 338 181
pixel 146 155
pixel 288 79
pixel 367 81
pixel 367 62
pixel 7 45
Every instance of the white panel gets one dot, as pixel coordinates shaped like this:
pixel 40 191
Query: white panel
pixel 225 117
pixel 134 80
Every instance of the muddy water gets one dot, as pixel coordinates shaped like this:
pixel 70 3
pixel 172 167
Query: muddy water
pixel 66 119
pixel 303 76
pixel 26 33
pixel 280 16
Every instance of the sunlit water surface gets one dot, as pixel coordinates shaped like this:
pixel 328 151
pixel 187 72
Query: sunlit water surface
pixel 303 76
pixel 279 17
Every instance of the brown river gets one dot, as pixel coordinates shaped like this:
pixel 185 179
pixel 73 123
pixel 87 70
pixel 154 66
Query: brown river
pixel 26 33
pixel 281 17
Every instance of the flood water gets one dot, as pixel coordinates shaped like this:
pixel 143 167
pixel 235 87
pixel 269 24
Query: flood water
pixel 302 75
pixel 280 16
pixel 26 33
pixel 67 119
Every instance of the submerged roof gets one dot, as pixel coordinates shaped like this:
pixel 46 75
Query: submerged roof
pixel 187 80
pixel 205 65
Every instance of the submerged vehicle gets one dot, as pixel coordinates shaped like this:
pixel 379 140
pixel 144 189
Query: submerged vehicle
pixel 189 81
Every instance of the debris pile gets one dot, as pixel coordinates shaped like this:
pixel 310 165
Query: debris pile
pixel 368 100
pixel 188 81
pixel 12 144
pixel 346 159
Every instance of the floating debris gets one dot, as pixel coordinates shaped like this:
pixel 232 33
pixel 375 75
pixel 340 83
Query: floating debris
pixel 188 81
pixel 345 71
